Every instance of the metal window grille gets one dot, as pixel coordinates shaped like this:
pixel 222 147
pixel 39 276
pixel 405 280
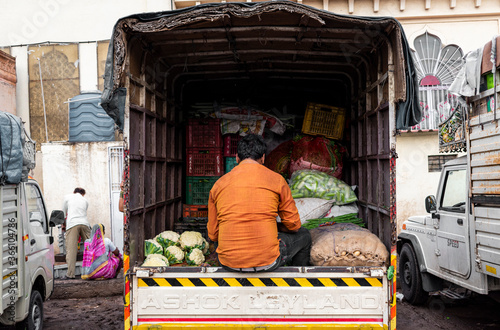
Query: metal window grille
pixel 442 65
pixel 437 105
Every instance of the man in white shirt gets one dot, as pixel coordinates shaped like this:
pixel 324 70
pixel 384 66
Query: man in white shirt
pixel 75 207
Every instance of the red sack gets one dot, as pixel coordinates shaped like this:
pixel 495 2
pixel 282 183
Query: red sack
pixel 278 160
pixel 317 153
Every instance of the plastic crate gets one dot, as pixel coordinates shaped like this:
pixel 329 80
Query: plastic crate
pixel 203 133
pixel 198 224
pixel 230 163
pixel 194 211
pixel 204 162
pixel 231 144
pixel 198 188
pixel 324 120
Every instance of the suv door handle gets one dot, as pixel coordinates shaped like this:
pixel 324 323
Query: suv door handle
pixel 460 222
pixel 33 241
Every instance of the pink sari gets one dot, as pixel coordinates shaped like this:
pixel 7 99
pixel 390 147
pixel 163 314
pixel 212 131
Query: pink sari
pixel 96 263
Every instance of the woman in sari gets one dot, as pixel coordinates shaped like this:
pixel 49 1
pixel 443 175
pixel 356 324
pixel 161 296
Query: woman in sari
pixel 101 259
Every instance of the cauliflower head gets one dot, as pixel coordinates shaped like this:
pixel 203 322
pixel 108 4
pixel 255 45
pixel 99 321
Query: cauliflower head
pixel 168 238
pixel 206 247
pixel 155 260
pixel 151 246
pixel 195 257
pixel 174 254
pixel 191 240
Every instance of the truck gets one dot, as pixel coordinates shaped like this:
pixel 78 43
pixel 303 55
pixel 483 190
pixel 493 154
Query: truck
pixel 454 249
pixel 27 252
pixel 162 67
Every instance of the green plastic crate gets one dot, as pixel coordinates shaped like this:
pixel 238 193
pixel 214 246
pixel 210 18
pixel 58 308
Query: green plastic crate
pixel 198 188
pixel 230 163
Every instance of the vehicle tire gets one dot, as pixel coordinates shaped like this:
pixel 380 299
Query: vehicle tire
pixel 410 277
pixel 34 321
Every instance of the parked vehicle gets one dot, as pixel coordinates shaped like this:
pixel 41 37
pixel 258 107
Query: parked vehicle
pixel 27 253
pixel 161 66
pixel 457 244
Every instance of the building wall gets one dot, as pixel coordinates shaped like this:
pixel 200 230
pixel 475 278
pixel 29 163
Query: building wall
pixel 7 83
pixel 414 182
pixel 70 165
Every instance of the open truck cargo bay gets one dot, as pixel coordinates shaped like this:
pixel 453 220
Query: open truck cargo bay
pixel 274 54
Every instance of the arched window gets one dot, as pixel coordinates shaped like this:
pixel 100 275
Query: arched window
pixel 436 67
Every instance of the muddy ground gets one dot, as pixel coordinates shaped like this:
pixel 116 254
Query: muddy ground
pixel 78 304
pixel 477 312
pixel 86 304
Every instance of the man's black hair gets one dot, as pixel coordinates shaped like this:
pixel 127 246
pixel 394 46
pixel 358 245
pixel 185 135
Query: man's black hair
pixel 81 191
pixel 251 146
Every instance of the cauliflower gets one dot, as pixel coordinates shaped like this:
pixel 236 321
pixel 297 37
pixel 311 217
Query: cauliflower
pixel 195 257
pixel 168 238
pixel 151 246
pixel 155 260
pixel 206 247
pixel 192 240
pixel 174 254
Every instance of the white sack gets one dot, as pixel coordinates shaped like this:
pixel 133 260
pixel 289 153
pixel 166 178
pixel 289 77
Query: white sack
pixel 312 208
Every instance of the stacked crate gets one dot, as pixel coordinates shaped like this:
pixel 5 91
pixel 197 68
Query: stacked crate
pixel 204 163
pixel 230 150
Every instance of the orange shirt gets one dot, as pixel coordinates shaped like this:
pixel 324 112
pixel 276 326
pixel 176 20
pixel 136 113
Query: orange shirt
pixel 242 210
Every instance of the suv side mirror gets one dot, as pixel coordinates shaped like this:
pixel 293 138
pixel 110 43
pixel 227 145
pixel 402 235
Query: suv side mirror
pixel 430 204
pixel 56 218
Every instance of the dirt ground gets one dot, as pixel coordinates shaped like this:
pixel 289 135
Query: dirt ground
pixel 86 304
pixel 77 304
pixel 477 312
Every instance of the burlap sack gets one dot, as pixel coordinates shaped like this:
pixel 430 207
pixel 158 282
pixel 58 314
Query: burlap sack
pixel 347 245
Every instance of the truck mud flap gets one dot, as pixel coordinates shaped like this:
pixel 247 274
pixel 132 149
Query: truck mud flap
pixel 286 299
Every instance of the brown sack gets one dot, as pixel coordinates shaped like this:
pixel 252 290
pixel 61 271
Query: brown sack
pixel 347 245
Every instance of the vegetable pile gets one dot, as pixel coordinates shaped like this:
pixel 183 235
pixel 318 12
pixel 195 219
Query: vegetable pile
pixel 169 248
pixel 346 218
pixel 316 184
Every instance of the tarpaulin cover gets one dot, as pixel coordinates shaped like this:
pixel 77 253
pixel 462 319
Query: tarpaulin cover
pixel 408 112
pixel 11 148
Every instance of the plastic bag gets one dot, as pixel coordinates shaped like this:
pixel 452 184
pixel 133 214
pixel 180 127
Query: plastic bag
pixel 278 160
pixel 316 184
pixel 312 208
pixel 317 153
pixel 339 210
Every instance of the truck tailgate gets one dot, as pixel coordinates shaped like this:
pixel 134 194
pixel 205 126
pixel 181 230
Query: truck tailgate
pixel 309 297
pixel 484 135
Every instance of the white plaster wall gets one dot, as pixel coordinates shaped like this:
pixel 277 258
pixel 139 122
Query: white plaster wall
pixel 468 33
pixel 70 165
pixel 413 180
pixel 87 64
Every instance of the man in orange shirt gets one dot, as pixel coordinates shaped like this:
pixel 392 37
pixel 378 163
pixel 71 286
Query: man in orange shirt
pixel 242 210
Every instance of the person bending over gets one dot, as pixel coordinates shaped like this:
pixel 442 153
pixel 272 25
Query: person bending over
pixel 75 207
pixel 242 209
pixel 101 258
